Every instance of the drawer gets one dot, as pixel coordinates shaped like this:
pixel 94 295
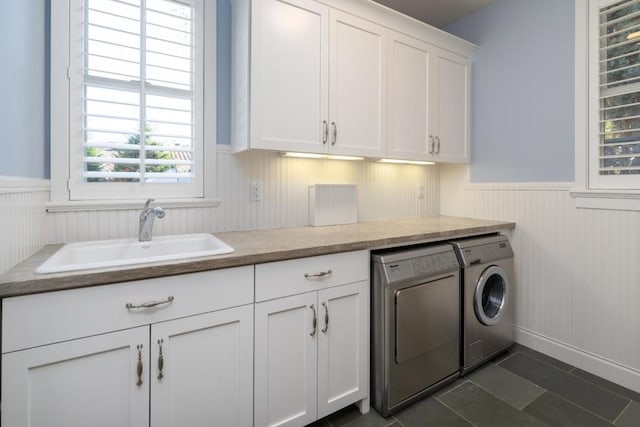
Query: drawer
pixel 35 320
pixel 283 278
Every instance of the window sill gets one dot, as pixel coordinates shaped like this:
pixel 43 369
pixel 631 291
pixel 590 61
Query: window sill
pixel 129 205
pixel 607 200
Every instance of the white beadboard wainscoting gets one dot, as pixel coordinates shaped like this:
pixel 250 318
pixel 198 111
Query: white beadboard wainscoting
pixel 384 191
pixel 577 271
pixel 23 224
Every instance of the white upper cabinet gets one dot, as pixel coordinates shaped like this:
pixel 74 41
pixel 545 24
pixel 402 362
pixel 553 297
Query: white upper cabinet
pixel 347 78
pixel 357 86
pixel 451 108
pixel 289 75
pixel 429 102
pixel 409 97
pixel 317 80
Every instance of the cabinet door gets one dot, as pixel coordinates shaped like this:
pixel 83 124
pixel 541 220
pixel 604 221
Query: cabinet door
pixel 343 347
pixel 85 382
pixel 409 95
pixel 452 108
pixel 204 376
pixel 357 83
pixel 285 361
pixel 289 75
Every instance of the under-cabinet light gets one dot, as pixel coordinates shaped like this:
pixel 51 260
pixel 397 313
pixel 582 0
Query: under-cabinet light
pixel 344 158
pixel 320 156
pixel 405 162
pixel 304 155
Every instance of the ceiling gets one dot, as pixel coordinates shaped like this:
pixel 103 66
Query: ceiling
pixel 438 13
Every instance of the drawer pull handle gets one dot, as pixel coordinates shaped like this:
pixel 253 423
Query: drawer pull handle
pixel 326 317
pixel 437 145
pixel 319 275
pixel 139 366
pixel 160 360
pixel 149 304
pixel 315 321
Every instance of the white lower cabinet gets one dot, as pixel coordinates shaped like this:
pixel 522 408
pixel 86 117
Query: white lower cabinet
pixel 85 382
pixel 286 361
pixel 200 349
pixel 343 347
pixel 311 348
pixel 206 377
pixel 191 371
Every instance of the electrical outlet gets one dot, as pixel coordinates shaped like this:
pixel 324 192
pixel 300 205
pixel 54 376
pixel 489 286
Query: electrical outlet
pixel 255 191
pixel 420 191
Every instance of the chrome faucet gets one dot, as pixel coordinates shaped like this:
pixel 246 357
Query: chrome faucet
pixel 146 220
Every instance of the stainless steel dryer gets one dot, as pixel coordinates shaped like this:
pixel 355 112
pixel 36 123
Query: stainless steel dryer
pixel 487 298
pixel 415 324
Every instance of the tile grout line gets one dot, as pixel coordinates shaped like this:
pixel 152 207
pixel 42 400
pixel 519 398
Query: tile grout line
pixel 453 410
pixel 502 400
pixel 581 407
pixel 602 387
pixel 504 357
pixel 622 412
pixel 541 360
pixel 584 380
pixel 449 391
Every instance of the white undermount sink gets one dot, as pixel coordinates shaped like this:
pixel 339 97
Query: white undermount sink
pixel 122 252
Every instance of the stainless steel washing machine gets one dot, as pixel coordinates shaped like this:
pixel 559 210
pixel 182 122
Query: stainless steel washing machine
pixel 487 298
pixel 415 324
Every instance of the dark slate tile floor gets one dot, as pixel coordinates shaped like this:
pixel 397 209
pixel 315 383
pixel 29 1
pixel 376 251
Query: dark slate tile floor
pixel 520 388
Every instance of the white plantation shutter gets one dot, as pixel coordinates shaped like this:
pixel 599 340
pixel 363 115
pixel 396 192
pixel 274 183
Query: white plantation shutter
pixel 617 150
pixel 138 83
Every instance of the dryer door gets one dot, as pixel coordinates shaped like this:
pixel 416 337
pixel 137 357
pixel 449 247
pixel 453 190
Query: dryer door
pixel 492 295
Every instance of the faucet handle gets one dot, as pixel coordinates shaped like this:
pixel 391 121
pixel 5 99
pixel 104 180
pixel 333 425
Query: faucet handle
pixel 158 212
pixel 147 203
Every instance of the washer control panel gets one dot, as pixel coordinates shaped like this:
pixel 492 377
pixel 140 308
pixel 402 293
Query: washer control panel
pixel 486 252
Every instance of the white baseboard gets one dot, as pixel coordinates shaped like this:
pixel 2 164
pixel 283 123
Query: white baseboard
pixel 592 363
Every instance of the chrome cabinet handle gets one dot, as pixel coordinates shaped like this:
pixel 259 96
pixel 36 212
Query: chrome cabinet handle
pixel 315 321
pixel 431 144
pixel 139 366
pixel 318 275
pixel 438 145
pixel 149 304
pixel 160 360
pixel 325 132
pixel 335 133
pixel 326 317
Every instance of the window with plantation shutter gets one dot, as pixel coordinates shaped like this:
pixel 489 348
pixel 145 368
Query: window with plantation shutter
pixel 136 99
pixel 615 145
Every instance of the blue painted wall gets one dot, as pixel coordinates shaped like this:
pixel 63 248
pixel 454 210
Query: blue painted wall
pixel 24 115
pixel 223 64
pixel 523 95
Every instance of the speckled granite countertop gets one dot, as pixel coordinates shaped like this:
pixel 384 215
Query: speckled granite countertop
pixel 255 247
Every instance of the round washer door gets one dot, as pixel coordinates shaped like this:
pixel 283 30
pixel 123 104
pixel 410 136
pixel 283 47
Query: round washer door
pixel 492 295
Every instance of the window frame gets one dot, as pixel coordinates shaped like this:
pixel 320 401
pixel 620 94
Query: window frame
pixel 590 191
pixel 62 178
